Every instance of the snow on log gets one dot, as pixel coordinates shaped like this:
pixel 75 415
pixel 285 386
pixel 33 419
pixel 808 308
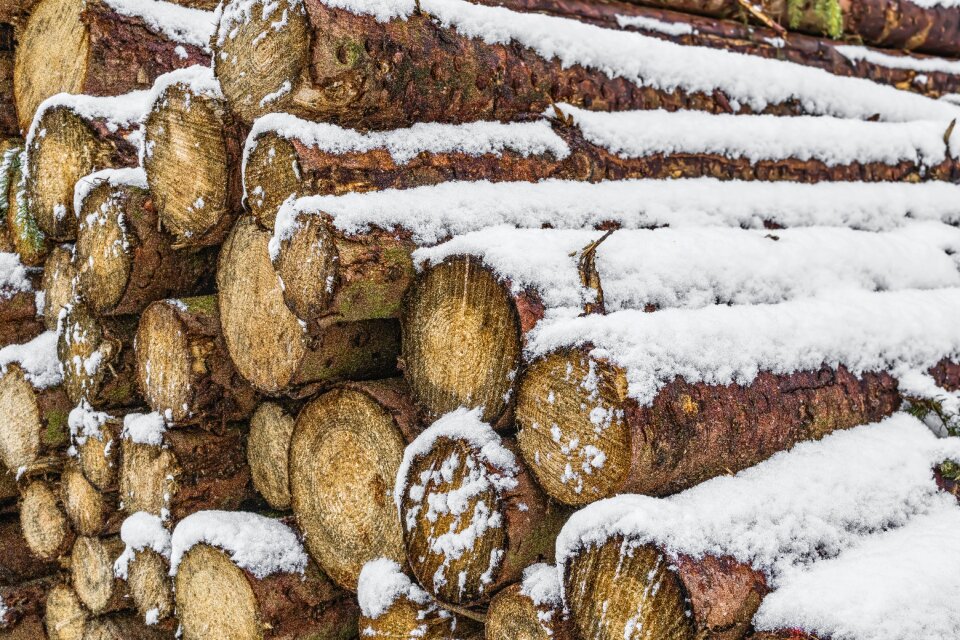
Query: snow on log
pixel 244 576
pixel 66 618
pixel 103 48
pixel 191 155
pixel 270 347
pixel 699 393
pixel 124 261
pixel 473 517
pixel 388 64
pixel 699 563
pixel 374 421
pixel 91 566
pixel 25 237
pixel 173 473
pixel 19 287
pixel 145 565
pixel 92 512
pixel 531 609
pixel 466 316
pixel 95 442
pixel 45 526
pixel 183 369
pixel 70 137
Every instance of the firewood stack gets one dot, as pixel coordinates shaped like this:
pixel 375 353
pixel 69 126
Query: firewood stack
pixel 513 319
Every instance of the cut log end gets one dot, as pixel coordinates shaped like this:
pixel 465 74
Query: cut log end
pixel 592 457
pixel 99 458
pixel 308 265
pixel 410 620
pixel 272 175
pixel 103 263
pixel 93 578
pixel 622 592
pixel 25 237
pixel 43 521
pixel 147 477
pixel 66 617
pixel 88 509
pixel 150 587
pixel 163 360
pixel 20 417
pixel 514 616
pixel 361 524
pixel 268 449
pixel 59 278
pixel 461 340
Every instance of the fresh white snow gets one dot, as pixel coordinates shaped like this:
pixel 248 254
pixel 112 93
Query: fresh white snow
pixel 141 531
pixel 144 428
pixel 127 176
pixel 180 24
pixel 36 358
pixel 382 582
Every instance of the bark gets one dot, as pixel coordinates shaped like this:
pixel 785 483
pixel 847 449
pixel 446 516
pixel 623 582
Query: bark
pixel 25 237
pixel 13 13
pixel 192 160
pixel 66 617
pixel 88 48
pixel 59 289
pixel 783 634
pixel 9 125
pixel 355 71
pixel 17 563
pixel 268 452
pixel 498 555
pixel 23 605
pixel 93 579
pixel 72 147
pixel 513 614
pixel 151 589
pixel 690 433
pixel 183 368
pixel 10 150
pixel 124 626
pixel 270 347
pixel 125 261
pixel 98 358
pixel 44 523
pixel 34 421
pixel 217 599
pixel 193 470
pixel 19 321
pixel 374 421
pixel 92 512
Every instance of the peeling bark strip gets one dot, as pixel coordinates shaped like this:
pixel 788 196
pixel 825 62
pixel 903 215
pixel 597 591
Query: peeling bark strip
pixel 124 261
pixel 183 368
pixel 191 470
pixel 18 563
pixel 692 432
pixel 217 599
pixel 91 48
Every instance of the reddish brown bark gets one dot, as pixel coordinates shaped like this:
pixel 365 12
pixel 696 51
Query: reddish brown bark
pixel 17 563
pixel 9 125
pixel 18 314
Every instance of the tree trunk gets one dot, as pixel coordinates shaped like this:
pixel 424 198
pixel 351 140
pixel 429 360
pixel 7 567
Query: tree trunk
pixel 192 158
pixel 191 471
pixel 98 358
pixel 26 238
pixel 151 589
pixel 92 512
pixel 691 432
pixel 183 368
pixel 268 452
pixel 514 614
pixel 446 463
pixel 43 520
pixel 66 617
pixel 17 563
pixel 270 347
pixel 217 599
pixel 59 289
pixel 23 604
pixel 34 421
pixel 124 261
pixel 125 626
pixel 73 145
pixel 90 48
pixel 93 579
pixel 374 421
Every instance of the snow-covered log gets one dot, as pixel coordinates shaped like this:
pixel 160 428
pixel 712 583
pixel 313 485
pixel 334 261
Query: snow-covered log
pixel 95 438
pixel 20 228
pixel 91 566
pixel 532 608
pixel 145 565
pixel 19 294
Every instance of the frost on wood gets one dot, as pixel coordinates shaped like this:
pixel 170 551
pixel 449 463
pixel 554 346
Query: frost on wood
pixel 141 531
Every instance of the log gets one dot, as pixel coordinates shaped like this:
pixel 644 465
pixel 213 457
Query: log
pixel 23 605
pixel 18 565
pixel 9 125
pixel 66 617
pixel 21 229
pixel 10 151
pixel 43 521
pixel 92 512
pixel 123 626
pixel 464 550
pixel 19 322
pixel 34 420
pixel 192 157
pixel 93 579
pixel 269 346
pixel 145 566
pixel 268 453
pixel 96 437
pixel 374 421
pixel 102 48
pixel 98 358
pixel 531 609
pixel 183 368
pixel 124 261
pixel 59 284
pixel 189 470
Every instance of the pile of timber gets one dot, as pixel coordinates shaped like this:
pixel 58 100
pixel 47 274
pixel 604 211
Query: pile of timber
pixel 504 319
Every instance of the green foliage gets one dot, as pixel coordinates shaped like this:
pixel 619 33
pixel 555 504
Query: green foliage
pixel 923 408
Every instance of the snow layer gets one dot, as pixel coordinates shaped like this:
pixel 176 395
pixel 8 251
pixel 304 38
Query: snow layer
pixel 14 276
pixel 141 531
pixel 382 582
pixel 645 23
pixel 132 177
pixel 181 24
pixel 898 331
pixel 198 80
pixel 926 64
pixel 811 502
pixel 117 112
pixel 541 583
pixel 263 546
pixel 434 213
pixel 833 141
pixel 85 423
pixel 898 585
pixel 37 359
pixel 144 428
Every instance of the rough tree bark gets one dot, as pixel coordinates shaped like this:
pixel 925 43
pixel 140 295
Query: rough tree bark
pixel 268 453
pixel 25 237
pixel 92 512
pixel 59 284
pixel 91 564
pixel 34 421
pixel 19 321
pixel 691 432
pixel 43 521
pixel 183 368
pixel 9 124
pixel 269 346
pixel 374 421
pixel 66 617
pixel 17 563
pixel 124 626
pixel 123 259
pixel 89 48
pixel 98 358
pixel 192 470
pixel 513 614
pixel 23 604
pixel 215 598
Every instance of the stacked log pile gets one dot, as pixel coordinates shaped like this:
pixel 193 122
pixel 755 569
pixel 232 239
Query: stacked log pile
pixel 505 319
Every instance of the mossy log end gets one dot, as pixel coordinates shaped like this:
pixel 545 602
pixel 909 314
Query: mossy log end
pixel 528 523
pixel 193 470
pixel 23 604
pixel 374 421
pixel 332 65
pixel 690 433
pixel 91 564
pixel 513 615
pixel 268 344
pixel 183 368
pixel 268 453
pixel 217 599
pixel 66 617
pixel 17 563
pixel 34 421
pixel 99 363
pixel 124 261
pixel 88 48
pixel 193 146
pixel 92 512
pixel 150 585
pixel 21 230
pixel 71 146
pixel 59 284
pixel 43 520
